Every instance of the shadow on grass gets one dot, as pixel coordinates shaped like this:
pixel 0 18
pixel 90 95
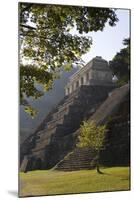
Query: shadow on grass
pixel 104 173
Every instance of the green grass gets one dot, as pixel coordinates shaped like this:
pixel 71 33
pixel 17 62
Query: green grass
pixel 49 182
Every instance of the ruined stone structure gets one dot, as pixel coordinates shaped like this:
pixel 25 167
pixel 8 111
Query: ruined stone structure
pixel 115 112
pixel 53 145
pixel 96 72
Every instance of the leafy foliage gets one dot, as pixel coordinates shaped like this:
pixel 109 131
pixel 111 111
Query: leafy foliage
pixel 120 64
pixel 92 135
pixel 31 111
pixel 47 43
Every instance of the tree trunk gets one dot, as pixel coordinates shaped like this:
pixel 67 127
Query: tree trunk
pixel 98 166
pixel 98 169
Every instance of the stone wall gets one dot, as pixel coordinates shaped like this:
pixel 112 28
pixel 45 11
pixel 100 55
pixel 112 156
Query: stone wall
pixel 55 137
pixel 96 72
pixel 115 111
pixel 117 142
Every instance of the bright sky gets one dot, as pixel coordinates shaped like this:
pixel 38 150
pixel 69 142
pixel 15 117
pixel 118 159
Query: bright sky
pixel 108 42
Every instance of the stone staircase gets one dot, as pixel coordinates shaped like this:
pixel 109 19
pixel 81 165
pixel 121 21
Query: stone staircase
pixel 117 145
pixel 54 138
pixel 80 158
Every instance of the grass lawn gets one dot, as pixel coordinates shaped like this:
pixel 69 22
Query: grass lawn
pixel 48 182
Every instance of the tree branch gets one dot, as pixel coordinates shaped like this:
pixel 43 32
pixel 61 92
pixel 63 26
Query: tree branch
pixel 27 26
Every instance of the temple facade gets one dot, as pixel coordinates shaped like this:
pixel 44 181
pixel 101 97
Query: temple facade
pixel 95 72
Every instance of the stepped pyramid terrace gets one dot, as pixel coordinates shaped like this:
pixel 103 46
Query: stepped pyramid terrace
pixel 89 93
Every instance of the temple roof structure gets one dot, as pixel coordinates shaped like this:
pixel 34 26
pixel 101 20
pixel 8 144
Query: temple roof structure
pixel 95 72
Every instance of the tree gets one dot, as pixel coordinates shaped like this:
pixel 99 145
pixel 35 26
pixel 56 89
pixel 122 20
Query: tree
pixel 120 64
pixel 92 136
pixel 47 43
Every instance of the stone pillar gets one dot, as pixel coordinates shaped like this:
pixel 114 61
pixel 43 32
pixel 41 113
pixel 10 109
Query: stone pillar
pixel 84 79
pixel 70 89
pixel 89 74
pixel 66 91
pixel 87 78
pixel 79 81
pixel 77 84
pixel 74 86
pixel 92 74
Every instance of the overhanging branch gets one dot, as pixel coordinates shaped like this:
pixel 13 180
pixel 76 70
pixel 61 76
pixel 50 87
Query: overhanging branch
pixel 27 26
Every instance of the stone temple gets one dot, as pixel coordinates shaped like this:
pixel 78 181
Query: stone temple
pixel 96 72
pixel 89 93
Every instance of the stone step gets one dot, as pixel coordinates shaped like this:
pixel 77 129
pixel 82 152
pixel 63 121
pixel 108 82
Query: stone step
pixel 58 131
pixel 41 145
pixel 50 115
pixel 74 115
pixel 65 124
pixel 62 132
pixel 64 110
pixel 76 94
pixel 77 164
pixel 68 110
pixel 77 103
pixel 84 156
pixel 79 158
pixel 67 101
pixel 44 140
pixel 60 114
pixel 76 168
pixel 53 123
pixel 76 160
pixel 46 134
